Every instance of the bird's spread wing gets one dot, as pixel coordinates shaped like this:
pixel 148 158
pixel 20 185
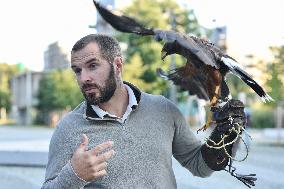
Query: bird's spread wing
pixel 186 43
pixel 190 82
pixel 122 23
pixel 189 47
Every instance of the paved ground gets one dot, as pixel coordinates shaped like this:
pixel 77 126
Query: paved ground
pixel 23 155
pixel 266 162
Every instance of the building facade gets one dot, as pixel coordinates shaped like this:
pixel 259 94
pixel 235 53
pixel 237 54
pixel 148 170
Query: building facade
pixel 55 58
pixel 24 88
pixel 219 37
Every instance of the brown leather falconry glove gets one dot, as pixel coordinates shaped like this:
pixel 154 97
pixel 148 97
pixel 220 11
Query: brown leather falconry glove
pixel 217 151
pixel 228 118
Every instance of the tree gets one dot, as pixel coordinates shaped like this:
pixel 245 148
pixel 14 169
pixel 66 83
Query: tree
pixel 263 114
pixel 157 14
pixel 7 71
pixel 275 70
pixel 58 91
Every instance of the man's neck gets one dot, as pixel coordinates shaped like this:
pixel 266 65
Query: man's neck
pixel 118 103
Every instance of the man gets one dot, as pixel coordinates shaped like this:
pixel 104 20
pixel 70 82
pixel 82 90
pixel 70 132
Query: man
pixel 120 137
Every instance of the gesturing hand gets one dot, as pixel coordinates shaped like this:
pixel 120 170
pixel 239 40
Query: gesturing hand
pixel 91 164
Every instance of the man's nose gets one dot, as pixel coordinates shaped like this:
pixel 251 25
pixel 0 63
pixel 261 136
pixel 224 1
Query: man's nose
pixel 85 76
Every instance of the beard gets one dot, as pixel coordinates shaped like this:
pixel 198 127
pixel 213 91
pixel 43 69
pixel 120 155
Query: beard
pixel 104 93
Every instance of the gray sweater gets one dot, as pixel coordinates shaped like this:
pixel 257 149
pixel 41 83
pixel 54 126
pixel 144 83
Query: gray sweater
pixel 144 144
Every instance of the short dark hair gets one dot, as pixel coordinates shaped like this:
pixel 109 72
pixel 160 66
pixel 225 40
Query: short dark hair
pixel 109 47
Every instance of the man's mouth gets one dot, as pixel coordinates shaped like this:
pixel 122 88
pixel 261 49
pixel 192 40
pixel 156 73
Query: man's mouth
pixel 89 90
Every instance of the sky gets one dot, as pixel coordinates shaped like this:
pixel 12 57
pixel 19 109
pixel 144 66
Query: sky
pixel 28 27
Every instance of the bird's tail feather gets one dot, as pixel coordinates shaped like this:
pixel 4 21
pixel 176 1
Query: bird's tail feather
pixel 122 23
pixel 237 69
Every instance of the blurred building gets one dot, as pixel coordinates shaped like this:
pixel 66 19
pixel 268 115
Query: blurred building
pixel 55 58
pixel 219 37
pixel 24 89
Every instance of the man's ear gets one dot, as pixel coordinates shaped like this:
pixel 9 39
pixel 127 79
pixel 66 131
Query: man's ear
pixel 118 64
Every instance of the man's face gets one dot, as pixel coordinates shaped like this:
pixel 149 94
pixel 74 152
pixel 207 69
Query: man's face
pixel 95 75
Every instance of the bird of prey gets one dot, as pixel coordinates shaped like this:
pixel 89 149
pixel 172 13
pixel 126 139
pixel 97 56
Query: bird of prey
pixel 206 67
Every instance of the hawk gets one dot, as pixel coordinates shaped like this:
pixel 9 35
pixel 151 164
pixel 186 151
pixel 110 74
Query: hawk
pixel 204 73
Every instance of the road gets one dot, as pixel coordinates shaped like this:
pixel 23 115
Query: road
pixel 264 160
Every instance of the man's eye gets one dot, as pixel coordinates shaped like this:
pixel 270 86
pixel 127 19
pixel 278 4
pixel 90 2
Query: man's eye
pixel 93 66
pixel 77 71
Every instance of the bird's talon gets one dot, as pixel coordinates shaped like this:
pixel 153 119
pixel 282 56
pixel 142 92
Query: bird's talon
pixel 206 126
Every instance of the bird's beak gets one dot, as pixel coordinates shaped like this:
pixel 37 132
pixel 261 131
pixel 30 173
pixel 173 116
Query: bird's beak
pixel 163 54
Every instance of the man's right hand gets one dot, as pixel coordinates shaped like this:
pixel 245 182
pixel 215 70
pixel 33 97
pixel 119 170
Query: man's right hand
pixel 91 164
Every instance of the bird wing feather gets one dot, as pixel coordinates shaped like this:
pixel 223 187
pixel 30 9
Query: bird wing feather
pixel 239 71
pixel 187 46
pixel 191 83
pixel 122 23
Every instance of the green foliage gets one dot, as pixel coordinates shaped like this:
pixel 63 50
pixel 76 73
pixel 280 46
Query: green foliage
pixel 263 115
pixel 6 73
pixel 157 14
pixel 134 71
pixel 263 118
pixel 276 70
pixel 58 91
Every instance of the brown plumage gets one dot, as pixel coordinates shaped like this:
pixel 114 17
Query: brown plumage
pixel 199 78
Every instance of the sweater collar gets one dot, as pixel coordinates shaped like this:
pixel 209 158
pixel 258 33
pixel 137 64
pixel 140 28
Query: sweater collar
pixel 91 114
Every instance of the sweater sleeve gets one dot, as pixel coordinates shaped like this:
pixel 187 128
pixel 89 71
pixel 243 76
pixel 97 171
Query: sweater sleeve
pixel 59 172
pixel 186 147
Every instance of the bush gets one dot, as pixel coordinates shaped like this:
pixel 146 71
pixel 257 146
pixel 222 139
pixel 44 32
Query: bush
pixel 263 119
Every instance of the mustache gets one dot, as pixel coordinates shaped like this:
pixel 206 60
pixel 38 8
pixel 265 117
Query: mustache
pixel 88 86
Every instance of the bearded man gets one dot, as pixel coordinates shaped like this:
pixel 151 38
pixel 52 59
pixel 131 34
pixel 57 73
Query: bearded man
pixel 121 137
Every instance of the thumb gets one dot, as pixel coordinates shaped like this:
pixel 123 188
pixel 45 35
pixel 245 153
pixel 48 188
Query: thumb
pixel 85 142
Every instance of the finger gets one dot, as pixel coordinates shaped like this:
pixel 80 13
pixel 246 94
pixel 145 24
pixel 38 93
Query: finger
pixel 101 166
pixel 100 173
pixel 85 142
pixel 101 147
pixel 105 156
